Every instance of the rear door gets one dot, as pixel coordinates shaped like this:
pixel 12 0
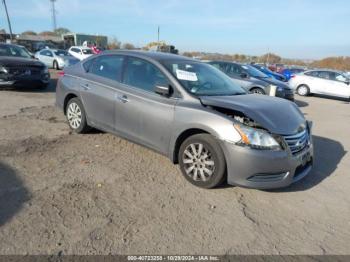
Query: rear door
pixel 99 89
pixel 141 114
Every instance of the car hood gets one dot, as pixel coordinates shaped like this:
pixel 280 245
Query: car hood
pixel 19 61
pixel 275 82
pixel 277 115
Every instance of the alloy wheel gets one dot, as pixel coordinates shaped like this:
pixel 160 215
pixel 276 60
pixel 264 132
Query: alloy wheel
pixel 198 162
pixel 302 90
pixel 74 115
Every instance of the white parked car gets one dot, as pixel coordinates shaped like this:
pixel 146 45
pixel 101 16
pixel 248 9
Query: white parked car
pixel 324 82
pixel 56 58
pixel 80 52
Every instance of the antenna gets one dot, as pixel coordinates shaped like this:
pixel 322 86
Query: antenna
pixel 53 10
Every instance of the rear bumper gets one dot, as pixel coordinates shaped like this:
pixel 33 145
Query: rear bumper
pixel 262 169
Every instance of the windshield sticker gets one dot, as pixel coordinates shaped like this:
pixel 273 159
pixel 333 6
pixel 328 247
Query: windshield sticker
pixel 185 75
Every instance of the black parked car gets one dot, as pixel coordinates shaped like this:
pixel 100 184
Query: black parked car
pixel 19 69
pixel 253 80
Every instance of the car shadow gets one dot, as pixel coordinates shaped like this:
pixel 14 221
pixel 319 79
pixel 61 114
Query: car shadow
pixel 301 103
pixel 13 193
pixel 327 155
pixel 341 99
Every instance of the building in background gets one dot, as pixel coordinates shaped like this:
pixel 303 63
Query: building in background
pixel 74 39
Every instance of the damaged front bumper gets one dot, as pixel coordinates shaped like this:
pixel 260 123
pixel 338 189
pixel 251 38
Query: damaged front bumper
pixel 264 169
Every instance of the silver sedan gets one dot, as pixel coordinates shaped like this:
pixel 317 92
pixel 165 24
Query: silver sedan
pixel 56 58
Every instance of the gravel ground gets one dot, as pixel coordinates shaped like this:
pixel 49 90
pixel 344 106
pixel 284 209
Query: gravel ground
pixel 62 193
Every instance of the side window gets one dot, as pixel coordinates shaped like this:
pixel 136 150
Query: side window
pixel 107 66
pixel 144 75
pixel 324 75
pixel 312 73
pixel 46 53
pixel 340 77
pixel 75 50
pixel 88 64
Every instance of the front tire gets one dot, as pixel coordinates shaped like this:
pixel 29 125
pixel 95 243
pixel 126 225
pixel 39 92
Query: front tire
pixel 303 90
pixel 202 161
pixel 76 116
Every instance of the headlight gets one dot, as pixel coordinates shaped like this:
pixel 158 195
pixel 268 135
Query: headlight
pixel 46 70
pixel 3 70
pixel 257 138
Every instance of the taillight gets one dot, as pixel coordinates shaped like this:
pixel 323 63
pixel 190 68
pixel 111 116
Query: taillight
pixel 60 73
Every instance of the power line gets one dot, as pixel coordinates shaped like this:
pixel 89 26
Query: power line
pixel 8 19
pixel 53 10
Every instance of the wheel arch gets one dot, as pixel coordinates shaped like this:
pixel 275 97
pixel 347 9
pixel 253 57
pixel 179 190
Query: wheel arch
pixel 66 100
pixel 181 138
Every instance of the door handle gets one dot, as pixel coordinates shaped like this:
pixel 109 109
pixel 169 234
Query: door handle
pixel 85 86
pixel 123 98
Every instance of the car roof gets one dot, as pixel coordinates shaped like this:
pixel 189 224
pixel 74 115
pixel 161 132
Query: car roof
pixel 81 47
pixel 158 56
pixel 7 44
pixel 325 70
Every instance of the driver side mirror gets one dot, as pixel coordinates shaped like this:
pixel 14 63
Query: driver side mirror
pixel 244 75
pixel 162 90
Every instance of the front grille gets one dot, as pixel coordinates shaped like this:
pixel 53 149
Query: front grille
pixel 297 142
pixel 19 71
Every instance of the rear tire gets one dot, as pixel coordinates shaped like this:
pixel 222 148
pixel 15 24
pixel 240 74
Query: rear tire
pixel 76 116
pixel 257 90
pixel 303 90
pixel 202 161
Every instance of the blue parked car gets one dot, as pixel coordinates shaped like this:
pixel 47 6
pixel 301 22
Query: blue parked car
pixel 268 72
pixel 289 72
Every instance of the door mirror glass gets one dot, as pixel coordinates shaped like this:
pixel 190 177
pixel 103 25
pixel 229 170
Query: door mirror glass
pixel 162 90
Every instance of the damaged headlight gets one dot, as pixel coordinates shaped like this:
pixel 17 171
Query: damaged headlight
pixel 257 138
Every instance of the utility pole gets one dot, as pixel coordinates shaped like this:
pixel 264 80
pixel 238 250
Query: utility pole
pixel 53 10
pixel 158 39
pixel 8 19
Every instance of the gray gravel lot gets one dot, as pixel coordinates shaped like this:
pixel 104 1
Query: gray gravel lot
pixel 62 193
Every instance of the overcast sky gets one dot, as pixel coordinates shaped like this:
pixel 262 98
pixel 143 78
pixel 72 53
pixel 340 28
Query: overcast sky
pixel 291 28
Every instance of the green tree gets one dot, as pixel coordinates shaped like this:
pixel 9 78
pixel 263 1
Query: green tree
pixel 29 32
pixel 128 46
pixel 61 31
pixel 113 43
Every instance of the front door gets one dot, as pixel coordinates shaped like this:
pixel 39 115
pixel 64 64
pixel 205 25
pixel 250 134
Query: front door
pixel 141 114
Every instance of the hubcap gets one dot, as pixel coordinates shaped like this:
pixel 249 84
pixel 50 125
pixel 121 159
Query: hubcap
pixel 257 91
pixel 302 90
pixel 74 115
pixel 198 162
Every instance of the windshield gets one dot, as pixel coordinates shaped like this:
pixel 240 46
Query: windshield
pixel 61 53
pixel 12 50
pixel 87 51
pixel 201 79
pixel 253 71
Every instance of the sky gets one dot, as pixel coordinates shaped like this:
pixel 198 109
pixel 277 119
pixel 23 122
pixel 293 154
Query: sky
pixel 307 29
